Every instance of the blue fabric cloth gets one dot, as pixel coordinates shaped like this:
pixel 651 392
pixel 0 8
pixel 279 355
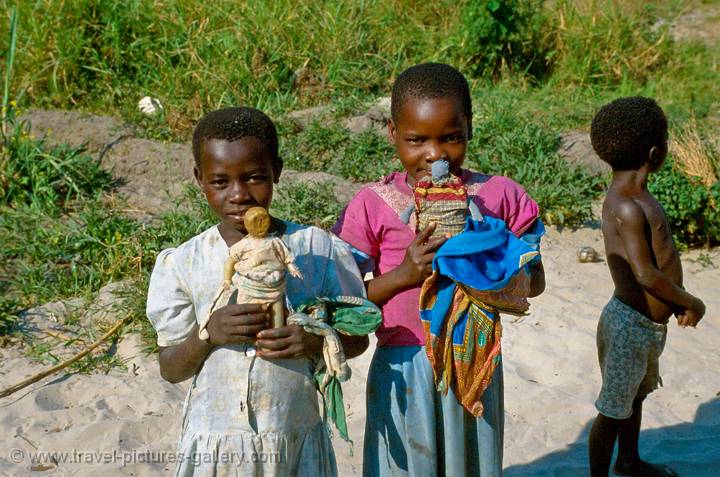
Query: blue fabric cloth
pixel 412 430
pixel 485 257
pixel 365 263
pixel 533 235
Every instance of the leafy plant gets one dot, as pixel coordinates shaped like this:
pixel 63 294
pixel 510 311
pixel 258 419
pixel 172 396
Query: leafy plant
pixel 506 35
pixel 691 208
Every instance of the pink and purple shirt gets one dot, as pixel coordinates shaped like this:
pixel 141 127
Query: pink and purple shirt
pixel 371 223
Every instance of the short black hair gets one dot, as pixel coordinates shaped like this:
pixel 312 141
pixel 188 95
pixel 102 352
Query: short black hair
pixel 431 81
pixel 232 124
pixel 624 131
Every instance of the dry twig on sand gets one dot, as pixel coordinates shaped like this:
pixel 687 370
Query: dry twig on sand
pixel 37 377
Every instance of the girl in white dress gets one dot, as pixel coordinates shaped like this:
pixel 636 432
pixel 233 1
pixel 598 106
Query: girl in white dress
pixel 252 407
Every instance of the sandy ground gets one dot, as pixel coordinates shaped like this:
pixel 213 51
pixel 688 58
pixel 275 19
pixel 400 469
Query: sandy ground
pixel 551 380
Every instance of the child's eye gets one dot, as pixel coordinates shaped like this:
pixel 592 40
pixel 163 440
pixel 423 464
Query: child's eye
pixel 455 138
pixel 258 179
pixel 414 140
pixel 218 183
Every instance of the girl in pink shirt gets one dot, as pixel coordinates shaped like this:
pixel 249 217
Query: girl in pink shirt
pixel 411 428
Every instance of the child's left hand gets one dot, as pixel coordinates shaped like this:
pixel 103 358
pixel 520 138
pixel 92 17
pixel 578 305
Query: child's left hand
pixel 290 341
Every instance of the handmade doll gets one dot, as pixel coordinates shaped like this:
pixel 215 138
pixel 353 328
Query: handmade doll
pixel 255 268
pixel 441 199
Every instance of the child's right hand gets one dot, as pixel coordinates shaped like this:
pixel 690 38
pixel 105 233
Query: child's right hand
pixel 693 315
pixel 417 264
pixel 233 324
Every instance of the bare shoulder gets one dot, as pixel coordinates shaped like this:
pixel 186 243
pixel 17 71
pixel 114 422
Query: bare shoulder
pixel 625 212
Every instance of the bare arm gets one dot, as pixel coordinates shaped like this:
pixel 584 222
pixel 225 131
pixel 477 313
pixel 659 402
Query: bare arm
pixel 537 279
pixel 414 269
pixel 179 362
pixel 632 225
pixel 228 271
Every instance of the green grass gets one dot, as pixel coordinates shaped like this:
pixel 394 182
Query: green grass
pixel 312 203
pixel 331 148
pixel 198 56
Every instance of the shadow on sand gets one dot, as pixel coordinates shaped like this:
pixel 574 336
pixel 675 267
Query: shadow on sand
pixel 692 449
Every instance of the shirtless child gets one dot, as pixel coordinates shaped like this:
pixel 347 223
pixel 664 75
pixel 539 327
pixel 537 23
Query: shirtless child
pixel 630 134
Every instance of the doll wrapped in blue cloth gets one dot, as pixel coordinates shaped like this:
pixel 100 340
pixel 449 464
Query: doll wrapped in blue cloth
pixel 477 274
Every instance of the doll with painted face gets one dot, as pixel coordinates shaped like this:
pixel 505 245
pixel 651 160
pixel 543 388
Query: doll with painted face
pixel 256 269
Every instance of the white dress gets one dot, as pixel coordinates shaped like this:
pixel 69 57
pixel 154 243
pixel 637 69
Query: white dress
pixel 245 415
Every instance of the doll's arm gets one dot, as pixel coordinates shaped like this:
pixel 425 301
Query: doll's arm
pixel 285 256
pixel 228 271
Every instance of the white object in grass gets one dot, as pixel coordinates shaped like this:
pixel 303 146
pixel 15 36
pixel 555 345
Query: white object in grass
pixel 150 106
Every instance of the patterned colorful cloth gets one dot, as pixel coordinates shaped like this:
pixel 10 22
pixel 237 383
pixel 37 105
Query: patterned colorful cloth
pixel 476 275
pixel 349 315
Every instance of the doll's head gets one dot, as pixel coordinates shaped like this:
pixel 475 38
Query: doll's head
pixel 257 222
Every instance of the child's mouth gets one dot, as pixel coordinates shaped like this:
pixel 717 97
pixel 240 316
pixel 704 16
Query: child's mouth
pixel 237 216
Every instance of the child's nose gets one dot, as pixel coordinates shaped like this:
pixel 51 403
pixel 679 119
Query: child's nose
pixel 435 152
pixel 239 192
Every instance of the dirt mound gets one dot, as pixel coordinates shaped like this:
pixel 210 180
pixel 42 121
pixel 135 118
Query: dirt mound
pixel 575 148
pixel 699 24
pixel 152 173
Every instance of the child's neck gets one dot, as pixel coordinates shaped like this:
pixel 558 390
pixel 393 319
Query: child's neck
pixel 631 181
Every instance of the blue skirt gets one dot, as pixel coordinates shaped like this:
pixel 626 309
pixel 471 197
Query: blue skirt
pixel 412 430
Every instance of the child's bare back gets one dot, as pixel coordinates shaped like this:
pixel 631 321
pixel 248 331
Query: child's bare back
pixel 636 225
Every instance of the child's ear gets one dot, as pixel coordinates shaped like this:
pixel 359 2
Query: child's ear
pixel 656 156
pixel 197 174
pixel 277 167
pixel 391 131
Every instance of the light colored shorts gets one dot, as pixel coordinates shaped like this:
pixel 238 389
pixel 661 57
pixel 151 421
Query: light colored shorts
pixel 629 347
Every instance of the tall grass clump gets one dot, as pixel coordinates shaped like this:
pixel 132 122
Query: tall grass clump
pixel 197 56
pixel 49 179
pixel 7 108
pixel 307 203
pixel 506 37
pixel 694 156
pixel 606 43
pixel 331 148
